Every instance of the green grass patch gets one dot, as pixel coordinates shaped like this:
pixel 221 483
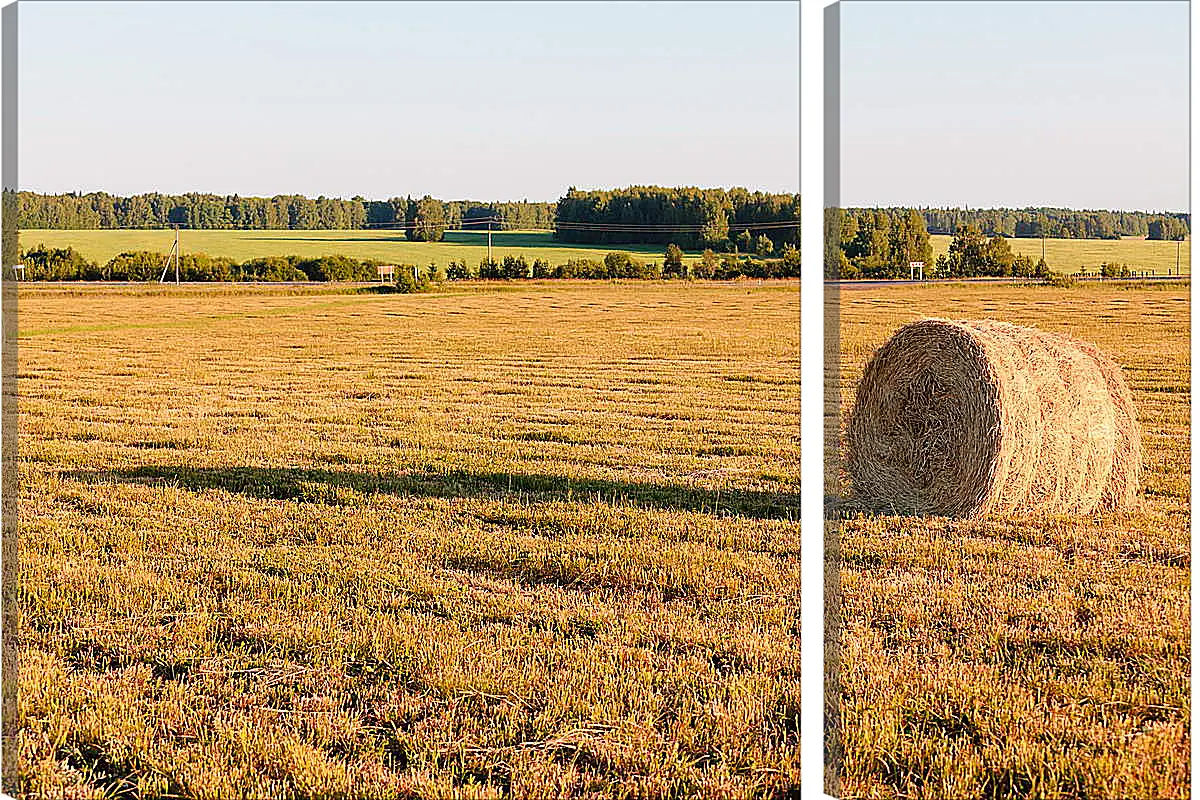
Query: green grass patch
pixel 389 246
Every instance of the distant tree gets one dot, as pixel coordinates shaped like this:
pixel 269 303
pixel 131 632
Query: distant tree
pixel 410 280
pixel 302 214
pixel 581 268
pixel 731 267
pixel 425 220
pixel 837 231
pixel 57 264
pixel 965 253
pixel 673 260
pixel 478 217
pixel 876 243
pixel 489 269
pixel 846 269
pixel 201 267
pixel 138 265
pixel 745 241
pixel 271 268
pixel 380 212
pixel 337 268
pixel 514 267
pixel 623 265
pixel 791 261
pixel 972 254
pixel 1025 267
pixel 763 245
pixel 998 258
pixel 1168 229
pixel 708 266
pixel 715 228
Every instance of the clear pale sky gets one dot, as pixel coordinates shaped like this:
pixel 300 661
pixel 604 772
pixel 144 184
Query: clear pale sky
pixel 459 100
pixel 985 104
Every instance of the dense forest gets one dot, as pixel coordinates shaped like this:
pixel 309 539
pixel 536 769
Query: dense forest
pixel 1053 223
pixel 730 220
pixel 102 210
pixel 519 215
pixel 1171 229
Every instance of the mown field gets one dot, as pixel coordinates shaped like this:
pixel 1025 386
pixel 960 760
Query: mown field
pixel 1072 255
pixel 386 245
pixel 539 542
pixel 1022 657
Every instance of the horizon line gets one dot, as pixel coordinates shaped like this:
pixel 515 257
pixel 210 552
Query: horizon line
pixel 1017 208
pixel 81 193
pixel 415 195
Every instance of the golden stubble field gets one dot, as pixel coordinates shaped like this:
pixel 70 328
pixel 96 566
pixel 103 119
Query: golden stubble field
pixel 535 541
pixel 1019 657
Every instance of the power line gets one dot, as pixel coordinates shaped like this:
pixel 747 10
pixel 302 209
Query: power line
pixel 672 228
pixel 618 227
pixel 781 223
pixel 499 222
pixel 598 227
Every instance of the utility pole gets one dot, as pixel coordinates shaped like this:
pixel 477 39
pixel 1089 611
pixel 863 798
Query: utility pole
pixel 173 255
pixel 489 241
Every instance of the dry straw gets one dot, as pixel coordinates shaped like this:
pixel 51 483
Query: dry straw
pixel 966 419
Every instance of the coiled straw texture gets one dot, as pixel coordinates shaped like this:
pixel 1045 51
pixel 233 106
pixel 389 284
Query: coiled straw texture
pixel 969 419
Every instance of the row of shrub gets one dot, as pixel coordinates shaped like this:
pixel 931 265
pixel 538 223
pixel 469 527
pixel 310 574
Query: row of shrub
pixel 622 265
pixel 65 264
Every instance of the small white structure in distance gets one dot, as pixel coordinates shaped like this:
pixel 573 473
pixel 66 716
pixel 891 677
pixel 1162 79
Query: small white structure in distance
pixel 387 272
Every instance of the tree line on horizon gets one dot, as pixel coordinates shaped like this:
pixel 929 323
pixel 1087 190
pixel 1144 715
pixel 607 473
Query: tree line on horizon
pixel 100 210
pixel 729 220
pixel 720 209
pixel 872 241
pixel 1056 223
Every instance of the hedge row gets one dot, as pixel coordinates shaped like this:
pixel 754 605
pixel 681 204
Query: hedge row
pixel 65 264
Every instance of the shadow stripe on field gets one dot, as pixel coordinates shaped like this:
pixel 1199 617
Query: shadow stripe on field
pixel 322 486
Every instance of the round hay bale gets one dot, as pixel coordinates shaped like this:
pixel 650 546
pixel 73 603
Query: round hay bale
pixel 965 419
